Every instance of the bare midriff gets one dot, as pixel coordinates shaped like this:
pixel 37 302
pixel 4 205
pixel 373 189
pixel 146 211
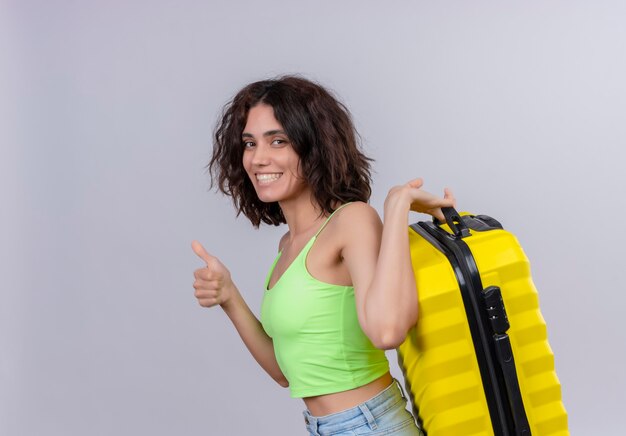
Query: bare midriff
pixel 322 405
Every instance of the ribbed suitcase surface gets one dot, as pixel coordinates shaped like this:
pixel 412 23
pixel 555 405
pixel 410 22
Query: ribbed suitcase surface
pixel 445 370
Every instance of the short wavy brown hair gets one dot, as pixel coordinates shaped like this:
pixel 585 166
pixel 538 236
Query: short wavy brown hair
pixel 321 132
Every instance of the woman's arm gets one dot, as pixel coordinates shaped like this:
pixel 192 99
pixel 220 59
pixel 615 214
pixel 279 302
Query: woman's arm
pixel 379 261
pixel 214 286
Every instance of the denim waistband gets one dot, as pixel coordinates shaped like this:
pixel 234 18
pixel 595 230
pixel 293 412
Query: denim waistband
pixel 366 412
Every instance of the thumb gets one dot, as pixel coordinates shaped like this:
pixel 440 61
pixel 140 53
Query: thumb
pixel 416 183
pixel 201 252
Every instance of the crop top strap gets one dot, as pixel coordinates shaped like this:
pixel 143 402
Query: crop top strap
pixel 329 217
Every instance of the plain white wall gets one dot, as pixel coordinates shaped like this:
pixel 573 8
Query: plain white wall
pixel 107 113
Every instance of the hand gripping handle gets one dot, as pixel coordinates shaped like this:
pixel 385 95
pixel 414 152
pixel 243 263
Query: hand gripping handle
pixel 454 221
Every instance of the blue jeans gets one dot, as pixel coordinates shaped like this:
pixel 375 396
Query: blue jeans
pixel 383 414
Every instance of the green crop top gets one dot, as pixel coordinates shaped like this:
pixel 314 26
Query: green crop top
pixel 319 344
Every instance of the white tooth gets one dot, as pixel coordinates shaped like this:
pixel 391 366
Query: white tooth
pixel 267 177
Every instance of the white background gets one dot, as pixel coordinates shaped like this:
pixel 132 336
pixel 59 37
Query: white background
pixel 106 118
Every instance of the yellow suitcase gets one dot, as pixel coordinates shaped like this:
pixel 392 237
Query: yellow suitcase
pixel 478 361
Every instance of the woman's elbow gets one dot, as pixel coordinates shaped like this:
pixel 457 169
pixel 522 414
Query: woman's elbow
pixel 389 335
pixel 390 339
pixel 282 381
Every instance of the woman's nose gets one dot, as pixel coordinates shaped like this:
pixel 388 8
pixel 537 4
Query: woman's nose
pixel 261 155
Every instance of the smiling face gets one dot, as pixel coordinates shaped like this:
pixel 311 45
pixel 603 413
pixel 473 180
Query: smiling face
pixel 269 158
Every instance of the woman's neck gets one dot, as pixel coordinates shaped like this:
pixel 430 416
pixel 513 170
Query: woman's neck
pixel 302 214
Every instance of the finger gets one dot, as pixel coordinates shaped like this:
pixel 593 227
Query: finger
pixel 203 294
pixel 437 213
pixel 199 273
pixel 208 285
pixel 207 274
pixel 208 302
pixel 448 195
pixel 416 183
pixel 201 252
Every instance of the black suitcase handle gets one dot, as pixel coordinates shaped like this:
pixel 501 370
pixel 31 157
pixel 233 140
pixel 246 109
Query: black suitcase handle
pixel 454 221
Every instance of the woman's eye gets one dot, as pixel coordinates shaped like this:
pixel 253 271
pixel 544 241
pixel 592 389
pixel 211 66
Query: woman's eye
pixel 248 144
pixel 279 142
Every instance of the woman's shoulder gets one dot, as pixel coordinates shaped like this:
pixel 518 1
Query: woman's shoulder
pixel 358 208
pixel 357 230
pixel 357 216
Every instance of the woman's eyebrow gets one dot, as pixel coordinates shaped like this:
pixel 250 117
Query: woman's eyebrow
pixel 274 132
pixel 268 133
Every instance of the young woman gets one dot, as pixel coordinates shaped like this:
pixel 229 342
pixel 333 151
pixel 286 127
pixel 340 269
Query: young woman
pixel 341 290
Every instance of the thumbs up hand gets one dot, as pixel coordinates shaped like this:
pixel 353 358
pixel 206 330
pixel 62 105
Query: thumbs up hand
pixel 213 283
